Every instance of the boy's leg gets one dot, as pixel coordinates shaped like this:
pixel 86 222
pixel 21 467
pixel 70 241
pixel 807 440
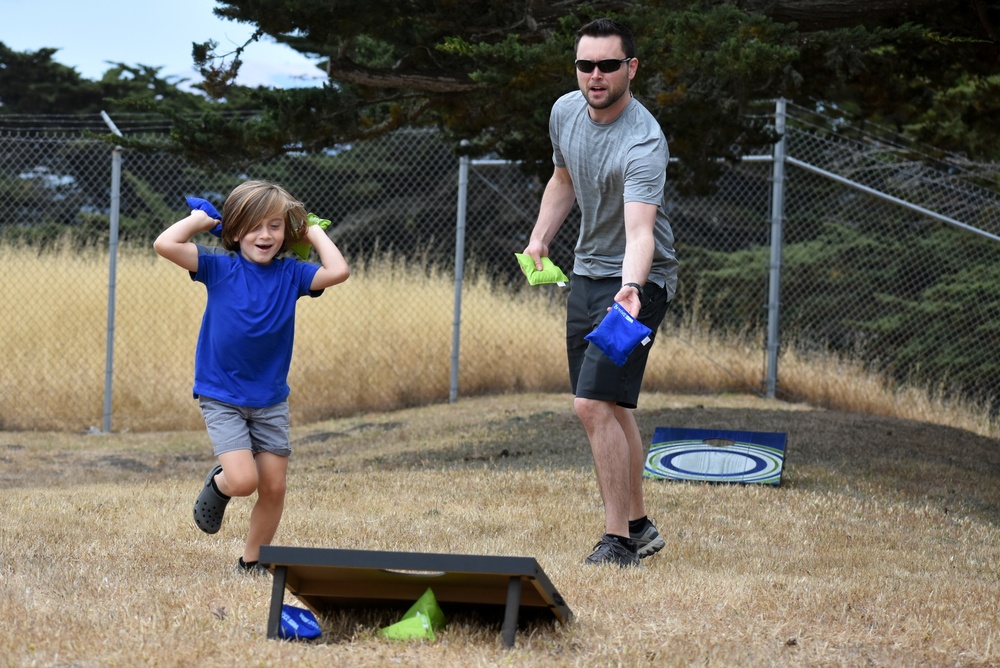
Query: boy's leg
pixel 239 473
pixel 272 472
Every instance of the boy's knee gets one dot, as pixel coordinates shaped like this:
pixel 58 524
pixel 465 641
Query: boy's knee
pixel 240 483
pixel 272 489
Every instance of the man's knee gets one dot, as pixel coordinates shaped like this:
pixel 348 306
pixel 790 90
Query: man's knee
pixel 593 411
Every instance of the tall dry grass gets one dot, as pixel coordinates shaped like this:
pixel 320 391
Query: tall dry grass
pixel 381 340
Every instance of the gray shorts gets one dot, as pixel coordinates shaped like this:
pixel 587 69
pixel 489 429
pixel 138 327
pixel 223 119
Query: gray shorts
pixel 238 428
pixel 592 374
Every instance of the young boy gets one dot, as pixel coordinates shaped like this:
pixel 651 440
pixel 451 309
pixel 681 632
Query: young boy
pixel 245 345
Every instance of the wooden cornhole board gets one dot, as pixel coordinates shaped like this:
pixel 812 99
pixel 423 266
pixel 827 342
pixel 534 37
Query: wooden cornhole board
pixel 325 579
pixel 715 455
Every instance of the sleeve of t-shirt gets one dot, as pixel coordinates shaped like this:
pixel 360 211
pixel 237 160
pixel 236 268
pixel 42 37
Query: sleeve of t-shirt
pixel 646 171
pixel 555 125
pixel 207 265
pixel 557 157
pixel 305 272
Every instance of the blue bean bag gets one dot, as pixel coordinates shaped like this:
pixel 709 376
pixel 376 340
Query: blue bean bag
pixel 618 334
pixel 206 206
pixel 298 624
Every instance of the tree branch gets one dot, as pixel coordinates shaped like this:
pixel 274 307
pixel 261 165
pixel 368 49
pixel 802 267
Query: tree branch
pixel 984 19
pixel 825 14
pixel 344 69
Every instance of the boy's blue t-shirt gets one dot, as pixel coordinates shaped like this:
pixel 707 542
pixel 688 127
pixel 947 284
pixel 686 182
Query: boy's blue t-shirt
pixel 245 343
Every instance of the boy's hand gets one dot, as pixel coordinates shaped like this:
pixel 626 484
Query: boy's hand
pixel 301 247
pixel 213 213
pixel 204 221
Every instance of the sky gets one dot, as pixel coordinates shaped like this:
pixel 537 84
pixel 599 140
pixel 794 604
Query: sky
pixel 90 34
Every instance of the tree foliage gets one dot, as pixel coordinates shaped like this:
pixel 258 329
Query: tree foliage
pixel 32 82
pixel 487 71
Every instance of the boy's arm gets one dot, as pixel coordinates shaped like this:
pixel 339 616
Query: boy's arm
pixel 174 243
pixel 334 267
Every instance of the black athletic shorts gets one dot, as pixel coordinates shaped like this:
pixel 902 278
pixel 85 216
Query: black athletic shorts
pixel 592 374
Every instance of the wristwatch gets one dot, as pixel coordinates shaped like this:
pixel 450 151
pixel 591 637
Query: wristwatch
pixel 637 287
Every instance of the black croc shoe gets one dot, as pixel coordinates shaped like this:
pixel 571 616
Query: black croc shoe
pixel 210 506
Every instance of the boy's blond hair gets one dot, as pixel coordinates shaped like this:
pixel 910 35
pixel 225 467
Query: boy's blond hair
pixel 254 201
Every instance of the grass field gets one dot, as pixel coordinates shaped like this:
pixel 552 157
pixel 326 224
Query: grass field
pixel 881 547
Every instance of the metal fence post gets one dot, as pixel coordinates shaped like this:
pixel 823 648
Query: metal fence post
pixel 777 216
pixel 456 333
pixel 109 346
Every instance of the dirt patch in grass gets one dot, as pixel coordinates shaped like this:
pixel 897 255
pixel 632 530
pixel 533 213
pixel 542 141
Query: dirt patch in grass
pixel 540 431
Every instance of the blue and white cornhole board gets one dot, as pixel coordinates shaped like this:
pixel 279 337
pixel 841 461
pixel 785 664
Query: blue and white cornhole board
pixel 713 455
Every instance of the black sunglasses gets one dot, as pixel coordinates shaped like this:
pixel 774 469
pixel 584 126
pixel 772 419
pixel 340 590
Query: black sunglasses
pixel 606 66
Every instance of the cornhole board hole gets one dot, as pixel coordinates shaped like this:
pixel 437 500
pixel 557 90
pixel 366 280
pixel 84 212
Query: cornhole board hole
pixel 713 455
pixel 325 579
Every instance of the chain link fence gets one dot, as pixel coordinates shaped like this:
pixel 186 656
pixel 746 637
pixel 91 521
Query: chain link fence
pixel 888 256
pixel 891 254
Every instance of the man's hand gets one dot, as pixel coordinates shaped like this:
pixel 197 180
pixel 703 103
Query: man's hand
pixel 536 250
pixel 630 300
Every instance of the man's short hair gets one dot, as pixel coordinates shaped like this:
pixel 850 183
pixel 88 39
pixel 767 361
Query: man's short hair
pixel 606 27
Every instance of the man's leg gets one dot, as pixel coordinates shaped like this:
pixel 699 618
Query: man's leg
pixel 637 460
pixel 648 540
pixel 615 441
pixel 613 463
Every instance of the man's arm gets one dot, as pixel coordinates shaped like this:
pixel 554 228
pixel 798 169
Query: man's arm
pixel 640 219
pixel 557 200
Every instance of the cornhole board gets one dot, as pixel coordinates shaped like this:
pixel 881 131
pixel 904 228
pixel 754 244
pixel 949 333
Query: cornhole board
pixel 714 455
pixel 325 579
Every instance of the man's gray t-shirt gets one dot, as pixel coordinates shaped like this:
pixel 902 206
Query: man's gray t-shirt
pixel 611 164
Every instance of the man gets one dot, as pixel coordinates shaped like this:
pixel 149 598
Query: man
pixel 610 157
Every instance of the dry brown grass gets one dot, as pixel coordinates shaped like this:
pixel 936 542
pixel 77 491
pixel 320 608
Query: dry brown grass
pixel 100 564
pixel 833 381
pixel 362 346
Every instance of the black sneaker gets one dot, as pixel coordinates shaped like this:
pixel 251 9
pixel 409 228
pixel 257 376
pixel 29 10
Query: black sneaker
pixel 610 551
pixel 251 567
pixel 648 541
